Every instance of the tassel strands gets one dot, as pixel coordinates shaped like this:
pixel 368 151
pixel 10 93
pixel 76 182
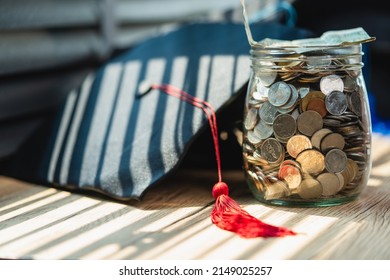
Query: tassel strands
pixel 227 214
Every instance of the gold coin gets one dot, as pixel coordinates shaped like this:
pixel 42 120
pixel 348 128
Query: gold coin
pixel 310 188
pixel 312 161
pixel 330 183
pixel 297 144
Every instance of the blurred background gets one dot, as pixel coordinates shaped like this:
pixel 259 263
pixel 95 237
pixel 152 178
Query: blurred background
pixel 48 46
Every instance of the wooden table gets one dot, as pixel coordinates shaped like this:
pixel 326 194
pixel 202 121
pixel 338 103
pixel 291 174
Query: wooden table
pixel 173 222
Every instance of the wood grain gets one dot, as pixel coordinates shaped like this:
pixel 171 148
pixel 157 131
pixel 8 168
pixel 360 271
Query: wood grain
pixel 173 222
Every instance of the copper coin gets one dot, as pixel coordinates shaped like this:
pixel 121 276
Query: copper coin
pixel 279 94
pixel 291 174
pixel 309 122
pixel 335 161
pixel 284 126
pixel 310 188
pixel 271 150
pixel 336 103
pixel 331 83
pixel 297 144
pixel 330 183
pixel 318 136
pixel 332 141
pixel 310 96
pixel 312 161
pixel 317 105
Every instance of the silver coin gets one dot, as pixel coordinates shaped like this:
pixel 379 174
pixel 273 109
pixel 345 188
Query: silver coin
pixel 290 105
pixel 268 112
pixel 331 83
pixel 251 119
pixel 266 76
pixel 263 130
pixel 271 150
pixel 261 91
pixel 336 103
pixel 303 91
pixel 279 94
pixel 335 161
pixel 253 138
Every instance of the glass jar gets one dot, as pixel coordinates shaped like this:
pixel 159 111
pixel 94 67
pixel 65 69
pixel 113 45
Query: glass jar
pixel 306 126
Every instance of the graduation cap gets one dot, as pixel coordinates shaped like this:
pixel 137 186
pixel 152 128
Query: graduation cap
pixel 107 139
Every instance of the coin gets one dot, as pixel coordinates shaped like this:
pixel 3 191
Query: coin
pixel 261 90
pixel 317 105
pixel 284 126
pixel 312 161
pixel 297 144
pixel 309 122
pixel 253 138
pixel 341 180
pixel 263 130
pixel 310 96
pixel 271 150
pixel 291 174
pixel 268 112
pixel 276 190
pixel 335 161
pixel 350 84
pixel 355 103
pixel 318 136
pixel 336 103
pixel 303 91
pixel 350 172
pixel 251 119
pixel 279 94
pixel 331 83
pixel 290 105
pixel 266 76
pixel 310 188
pixel 330 183
pixel 332 141
pixel 255 179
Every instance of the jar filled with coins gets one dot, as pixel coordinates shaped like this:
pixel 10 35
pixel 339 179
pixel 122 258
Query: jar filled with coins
pixel 306 125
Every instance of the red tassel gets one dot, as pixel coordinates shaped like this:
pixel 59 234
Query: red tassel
pixel 226 214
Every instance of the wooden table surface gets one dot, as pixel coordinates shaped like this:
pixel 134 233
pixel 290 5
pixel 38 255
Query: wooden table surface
pixel 173 222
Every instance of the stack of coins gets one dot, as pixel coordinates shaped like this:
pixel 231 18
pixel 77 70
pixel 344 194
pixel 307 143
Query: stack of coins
pixel 306 130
